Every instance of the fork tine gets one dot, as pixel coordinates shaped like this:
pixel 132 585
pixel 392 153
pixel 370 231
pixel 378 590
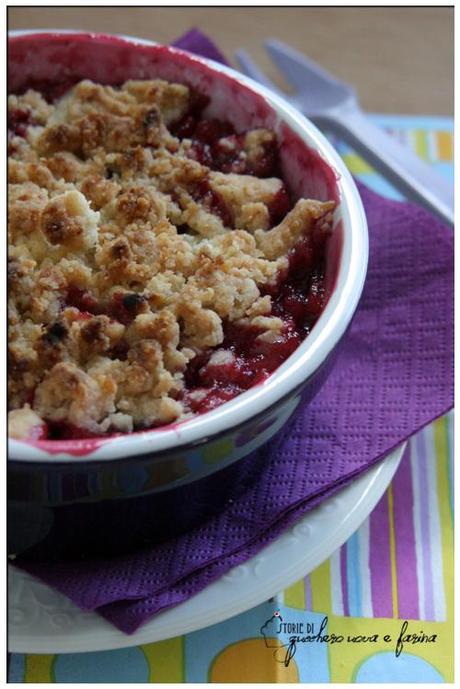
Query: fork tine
pixel 297 68
pixel 251 69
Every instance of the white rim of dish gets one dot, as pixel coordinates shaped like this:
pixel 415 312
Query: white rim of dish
pixel 310 354
pixel 229 595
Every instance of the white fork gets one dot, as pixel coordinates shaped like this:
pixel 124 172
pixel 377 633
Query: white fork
pixel 333 106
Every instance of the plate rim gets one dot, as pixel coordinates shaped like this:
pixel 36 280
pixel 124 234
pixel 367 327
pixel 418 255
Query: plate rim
pixel 186 617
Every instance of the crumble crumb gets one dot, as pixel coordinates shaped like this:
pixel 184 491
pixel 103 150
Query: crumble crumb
pixel 129 255
pixel 22 423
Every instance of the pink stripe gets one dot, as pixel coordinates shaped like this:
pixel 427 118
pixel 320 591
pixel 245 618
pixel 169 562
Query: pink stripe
pixel 425 526
pixel 406 559
pixel 380 560
pixel 307 587
pixel 343 579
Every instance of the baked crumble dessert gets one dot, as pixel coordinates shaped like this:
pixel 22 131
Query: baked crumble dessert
pixel 157 266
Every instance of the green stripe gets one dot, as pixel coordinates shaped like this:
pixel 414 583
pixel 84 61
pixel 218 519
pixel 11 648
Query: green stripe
pixel 421 144
pixel 356 164
pixel 448 422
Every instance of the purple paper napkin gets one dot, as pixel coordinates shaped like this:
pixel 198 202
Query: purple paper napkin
pixel 393 375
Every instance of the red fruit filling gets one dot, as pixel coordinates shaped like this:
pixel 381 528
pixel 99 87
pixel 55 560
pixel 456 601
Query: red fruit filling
pixel 18 121
pixel 280 206
pixel 225 152
pixel 50 90
pixel 83 301
pixel 298 299
pixel 66 431
pixel 123 307
pixel 213 201
pixel 216 144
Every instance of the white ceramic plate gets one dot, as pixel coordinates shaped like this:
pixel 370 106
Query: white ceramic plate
pixel 44 621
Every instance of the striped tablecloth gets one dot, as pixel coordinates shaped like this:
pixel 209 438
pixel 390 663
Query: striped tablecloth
pixel 398 566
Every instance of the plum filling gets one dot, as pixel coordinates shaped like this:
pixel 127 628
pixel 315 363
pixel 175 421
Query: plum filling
pixel 123 307
pixel 280 205
pixel 213 201
pixel 298 299
pixel 57 430
pixel 216 144
pixel 83 301
pixel 227 153
pixel 18 122
pixel 50 90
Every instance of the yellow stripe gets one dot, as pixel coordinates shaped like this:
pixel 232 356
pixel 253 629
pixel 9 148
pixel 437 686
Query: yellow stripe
pixel 394 573
pixel 447 536
pixel 356 164
pixel 420 139
pixel 445 145
pixel 320 580
pixel 294 596
pixel 166 660
pixel 39 669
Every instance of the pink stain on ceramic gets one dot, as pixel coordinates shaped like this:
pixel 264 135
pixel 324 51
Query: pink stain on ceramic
pixel 305 171
pixel 76 448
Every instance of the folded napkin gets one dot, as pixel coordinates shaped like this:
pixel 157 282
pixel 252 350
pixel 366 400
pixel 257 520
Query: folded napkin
pixel 393 375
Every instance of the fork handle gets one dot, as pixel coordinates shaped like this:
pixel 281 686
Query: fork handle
pixel 414 178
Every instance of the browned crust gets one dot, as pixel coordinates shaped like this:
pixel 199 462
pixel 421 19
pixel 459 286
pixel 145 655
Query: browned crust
pixel 100 193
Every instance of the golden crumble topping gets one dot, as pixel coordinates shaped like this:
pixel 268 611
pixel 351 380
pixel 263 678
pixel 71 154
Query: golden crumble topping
pixel 131 255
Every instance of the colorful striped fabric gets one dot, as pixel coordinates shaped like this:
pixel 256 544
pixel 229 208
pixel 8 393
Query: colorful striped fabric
pixel 398 565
